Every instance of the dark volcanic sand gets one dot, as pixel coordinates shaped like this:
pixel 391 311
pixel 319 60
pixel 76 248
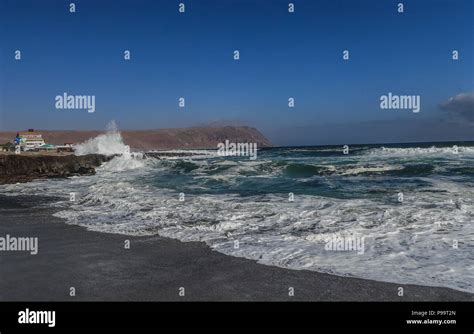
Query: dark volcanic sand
pixel 153 269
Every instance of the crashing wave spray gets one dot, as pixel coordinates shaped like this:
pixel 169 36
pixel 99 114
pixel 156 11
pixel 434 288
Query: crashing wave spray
pixel 109 143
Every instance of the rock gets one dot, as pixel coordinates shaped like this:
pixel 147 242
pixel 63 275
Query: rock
pixel 23 168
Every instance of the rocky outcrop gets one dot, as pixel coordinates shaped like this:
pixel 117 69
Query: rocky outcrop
pixel 23 168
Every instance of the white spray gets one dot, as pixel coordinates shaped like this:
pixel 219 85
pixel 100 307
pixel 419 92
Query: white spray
pixel 111 143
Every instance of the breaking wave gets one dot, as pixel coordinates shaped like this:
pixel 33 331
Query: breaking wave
pixel 228 199
pixel 419 151
pixel 109 143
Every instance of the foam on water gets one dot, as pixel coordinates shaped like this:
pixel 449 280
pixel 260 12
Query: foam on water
pixel 124 162
pixel 417 151
pixel 408 243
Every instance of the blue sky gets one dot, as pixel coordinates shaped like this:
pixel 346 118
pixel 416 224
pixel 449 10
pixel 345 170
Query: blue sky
pixel 282 55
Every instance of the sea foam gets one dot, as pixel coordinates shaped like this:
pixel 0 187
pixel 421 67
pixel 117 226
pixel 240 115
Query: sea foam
pixel 409 242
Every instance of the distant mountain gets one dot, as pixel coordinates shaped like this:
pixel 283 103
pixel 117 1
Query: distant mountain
pixel 181 138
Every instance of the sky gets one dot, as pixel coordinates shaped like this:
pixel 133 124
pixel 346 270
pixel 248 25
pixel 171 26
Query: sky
pixel 282 55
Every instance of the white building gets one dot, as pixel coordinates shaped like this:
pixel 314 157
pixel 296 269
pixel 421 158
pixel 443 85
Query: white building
pixel 29 140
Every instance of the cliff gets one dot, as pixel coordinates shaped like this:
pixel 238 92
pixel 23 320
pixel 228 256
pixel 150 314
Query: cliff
pixel 183 138
pixel 22 168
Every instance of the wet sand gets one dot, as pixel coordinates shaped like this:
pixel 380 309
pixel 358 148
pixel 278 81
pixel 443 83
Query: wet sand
pixel 154 268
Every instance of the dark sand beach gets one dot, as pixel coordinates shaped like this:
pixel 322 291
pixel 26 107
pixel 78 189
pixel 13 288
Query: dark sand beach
pixel 154 268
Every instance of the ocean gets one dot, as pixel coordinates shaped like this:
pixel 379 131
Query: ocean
pixel 411 205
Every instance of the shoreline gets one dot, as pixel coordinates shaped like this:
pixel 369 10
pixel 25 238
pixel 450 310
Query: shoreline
pixel 100 269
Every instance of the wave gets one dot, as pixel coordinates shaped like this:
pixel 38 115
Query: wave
pixel 266 168
pixel 407 243
pixel 305 170
pixel 417 151
pixel 124 162
pixel 109 143
pixel 414 170
pixel 371 150
pixel 404 243
pixel 182 154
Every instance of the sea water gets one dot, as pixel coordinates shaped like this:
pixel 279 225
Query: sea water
pixel 411 205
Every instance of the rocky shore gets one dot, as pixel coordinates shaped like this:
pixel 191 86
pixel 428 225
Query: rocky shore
pixel 23 168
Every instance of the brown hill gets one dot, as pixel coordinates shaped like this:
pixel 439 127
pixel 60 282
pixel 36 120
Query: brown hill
pixel 182 138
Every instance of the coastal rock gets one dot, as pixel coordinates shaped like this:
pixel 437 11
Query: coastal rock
pixel 23 168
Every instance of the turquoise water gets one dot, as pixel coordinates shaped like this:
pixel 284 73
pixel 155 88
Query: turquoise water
pixel 366 172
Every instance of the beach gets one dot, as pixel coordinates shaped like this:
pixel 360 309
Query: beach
pixel 99 267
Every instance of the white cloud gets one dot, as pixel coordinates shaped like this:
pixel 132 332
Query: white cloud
pixel 461 105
